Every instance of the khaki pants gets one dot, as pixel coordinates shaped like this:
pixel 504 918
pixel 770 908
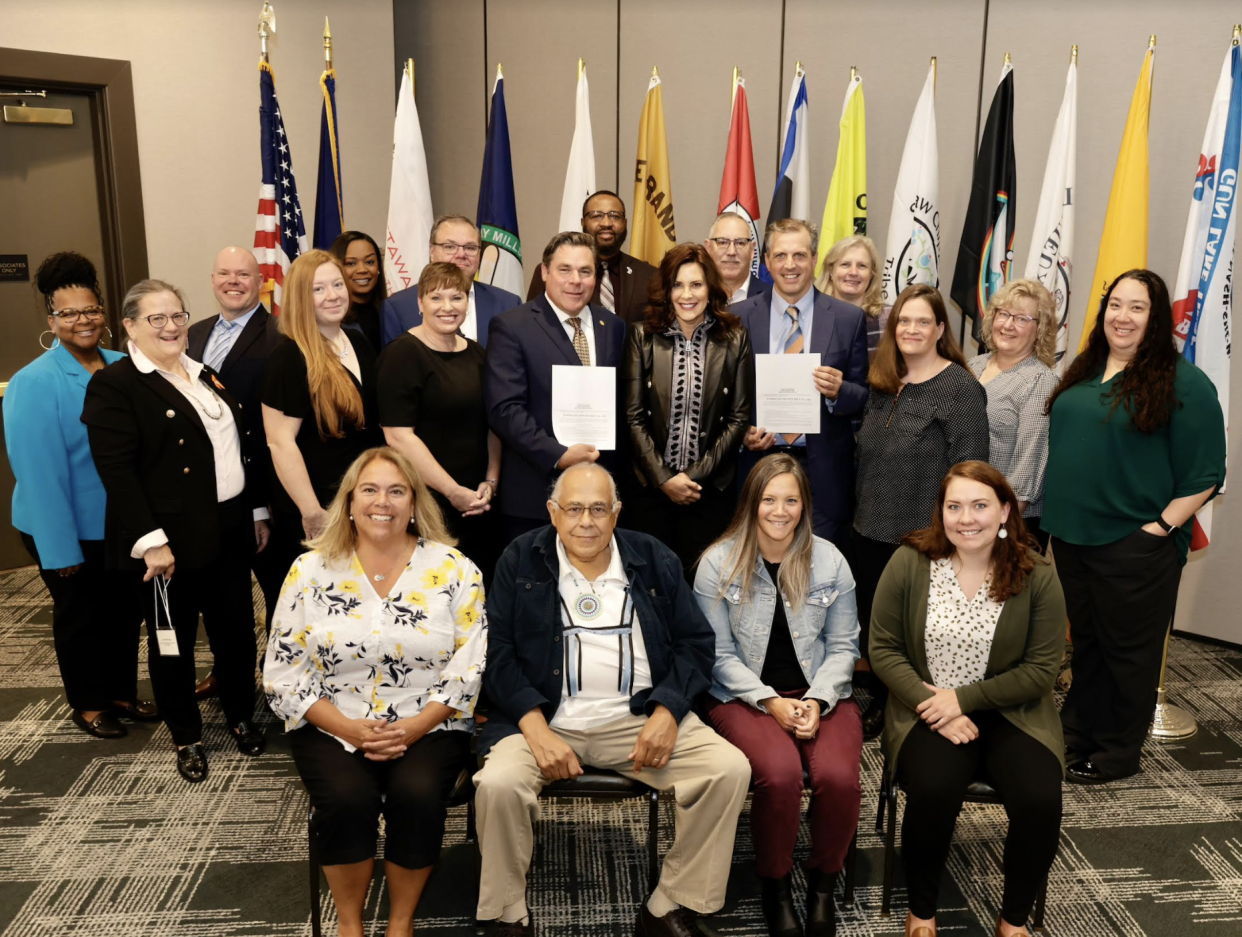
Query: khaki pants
pixel 708 777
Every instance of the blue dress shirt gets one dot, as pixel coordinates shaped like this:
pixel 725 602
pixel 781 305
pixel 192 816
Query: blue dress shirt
pixel 223 337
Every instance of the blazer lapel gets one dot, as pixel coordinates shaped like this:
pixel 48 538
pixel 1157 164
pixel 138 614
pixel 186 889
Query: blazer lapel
pixel 713 370
pixel 603 340
pixel 549 322
pixel 173 397
pixel 662 374
pixel 199 339
pixel 824 325
pixel 760 326
pixel 249 335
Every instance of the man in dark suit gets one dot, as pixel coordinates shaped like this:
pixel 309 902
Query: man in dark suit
pixel 621 281
pixel 454 240
pixel 796 318
pixel 235 344
pixel 731 242
pixel 559 327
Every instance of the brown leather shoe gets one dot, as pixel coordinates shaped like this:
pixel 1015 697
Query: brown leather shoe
pixel 206 688
pixel 103 726
pixel 680 922
pixel 140 710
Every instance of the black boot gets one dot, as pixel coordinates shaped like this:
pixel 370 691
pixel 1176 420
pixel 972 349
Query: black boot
pixel 778 907
pixel 820 920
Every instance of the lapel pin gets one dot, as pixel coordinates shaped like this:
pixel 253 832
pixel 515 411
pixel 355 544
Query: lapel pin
pixel 170 414
pixel 601 321
pixel 629 270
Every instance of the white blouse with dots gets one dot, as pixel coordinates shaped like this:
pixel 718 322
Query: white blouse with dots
pixel 959 631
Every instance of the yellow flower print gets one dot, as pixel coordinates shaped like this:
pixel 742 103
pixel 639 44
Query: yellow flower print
pixel 436 577
pixel 467 617
pixel 351 586
pixel 416 598
pixel 301 636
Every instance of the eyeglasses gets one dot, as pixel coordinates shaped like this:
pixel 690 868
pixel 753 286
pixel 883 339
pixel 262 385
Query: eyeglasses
pixel 71 316
pixel 159 320
pixel 574 511
pixel 1001 316
pixel 736 243
pixel 452 247
pixel 601 215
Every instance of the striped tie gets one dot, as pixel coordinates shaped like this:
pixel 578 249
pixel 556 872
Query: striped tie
pixel 793 346
pixel 218 345
pixel 580 341
pixel 606 298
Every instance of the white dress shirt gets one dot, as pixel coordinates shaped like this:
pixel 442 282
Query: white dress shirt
pixel 470 325
pixel 587 326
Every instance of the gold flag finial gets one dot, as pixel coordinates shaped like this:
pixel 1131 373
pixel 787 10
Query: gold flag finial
pixel 409 70
pixel 737 74
pixel 1237 33
pixel 267 27
pixel 933 71
pixel 1151 41
pixel 798 70
pixel 581 68
pixel 500 71
pixel 853 73
pixel 327 45
pixel 655 72
pixel 1008 59
pixel 1073 55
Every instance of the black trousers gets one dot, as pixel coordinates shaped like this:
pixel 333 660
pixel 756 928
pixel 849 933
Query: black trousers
pixel 283 547
pixel 478 537
pixel 350 792
pixel 94 629
pixel 220 591
pixel 1037 531
pixel 1120 599
pixel 686 529
pixel 935 774
pixel 868 562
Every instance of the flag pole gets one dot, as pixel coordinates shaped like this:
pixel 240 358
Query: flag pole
pixel 409 70
pixel 327 46
pixel 737 73
pixel 581 66
pixel 1074 55
pixel 267 27
pixel 1169 723
pixel 933 68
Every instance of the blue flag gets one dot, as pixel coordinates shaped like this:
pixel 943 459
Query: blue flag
pixel 792 197
pixel 329 207
pixel 501 264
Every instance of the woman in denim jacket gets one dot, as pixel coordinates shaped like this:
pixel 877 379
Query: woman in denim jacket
pixel 781 602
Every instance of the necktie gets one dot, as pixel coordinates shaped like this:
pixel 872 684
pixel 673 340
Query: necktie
pixel 606 297
pixel 218 344
pixel 793 346
pixel 580 341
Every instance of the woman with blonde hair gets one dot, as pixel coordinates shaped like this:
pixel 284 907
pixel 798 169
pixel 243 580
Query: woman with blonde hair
pixel 374 663
pixel 318 401
pixel 1020 332
pixel 851 272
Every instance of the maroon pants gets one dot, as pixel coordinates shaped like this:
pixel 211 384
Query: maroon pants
pixel 776 762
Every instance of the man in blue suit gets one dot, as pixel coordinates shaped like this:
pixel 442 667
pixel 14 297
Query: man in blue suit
pixel 796 318
pixel 558 327
pixel 731 242
pixel 454 240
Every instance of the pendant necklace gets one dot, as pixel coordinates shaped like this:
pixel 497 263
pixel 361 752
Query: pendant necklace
pixel 345 341
pixel 587 605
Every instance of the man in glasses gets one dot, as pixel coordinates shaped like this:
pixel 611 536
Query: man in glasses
pixel 597 650
pixel 454 240
pixel 731 242
pixel 620 280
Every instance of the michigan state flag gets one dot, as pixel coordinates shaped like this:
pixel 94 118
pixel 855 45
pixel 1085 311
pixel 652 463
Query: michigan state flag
pixel 501 264
pixel 329 207
pixel 985 256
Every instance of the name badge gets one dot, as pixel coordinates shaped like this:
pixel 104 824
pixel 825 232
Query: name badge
pixel 165 636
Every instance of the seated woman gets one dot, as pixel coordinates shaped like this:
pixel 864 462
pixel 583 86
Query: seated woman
pixel 967 631
pixel 374 663
pixel 781 602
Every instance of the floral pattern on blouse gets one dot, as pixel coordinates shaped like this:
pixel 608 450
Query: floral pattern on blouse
pixel 335 636
pixel 959 630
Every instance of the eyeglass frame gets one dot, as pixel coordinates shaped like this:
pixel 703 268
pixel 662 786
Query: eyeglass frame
pixel 737 243
pixel 70 317
pixel 1001 316
pixel 574 511
pixel 166 317
pixel 597 215
pixel 452 247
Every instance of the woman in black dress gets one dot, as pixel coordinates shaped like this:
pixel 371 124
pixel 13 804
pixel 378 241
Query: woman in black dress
pixel 363 264
pixel 432 411
pixel 318 402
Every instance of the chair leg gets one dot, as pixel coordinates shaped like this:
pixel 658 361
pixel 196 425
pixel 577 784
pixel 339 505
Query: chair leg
pixel 312 843
pixel 471 832
pixel 851 869
pixel 1038 920
pixel 879 807
pixel 890 849
pixel 653 840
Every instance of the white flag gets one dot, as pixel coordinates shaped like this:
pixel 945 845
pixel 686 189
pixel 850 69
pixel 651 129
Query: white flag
pixel 580 176
pixel 913 251
pixel 1052 239
pixel 409 198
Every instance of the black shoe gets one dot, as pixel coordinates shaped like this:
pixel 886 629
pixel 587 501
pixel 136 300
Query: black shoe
pixel 776 900
pixel 514 928
pixel 1087 772
pixel 140 710
pixel 820 919
pixel 103 726
pixel 680 922
pixel 250 741
pixel 192 763
pixel 873 721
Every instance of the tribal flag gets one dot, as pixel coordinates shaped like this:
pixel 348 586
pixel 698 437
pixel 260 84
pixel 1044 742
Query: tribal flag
pixel 580 174
pixel 329 206
pixel 1202 299
pixel 407 245
pixel 792 197
pixel 1052 243
pixel 279 234
pixel 1123 245
pixel 845 211
pixel 738 192
pixel 913 251
pixel 501 264
pixel 654 233
pixel 985 255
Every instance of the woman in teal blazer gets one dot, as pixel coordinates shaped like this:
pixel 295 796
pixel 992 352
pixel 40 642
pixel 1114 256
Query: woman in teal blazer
pixel 58 502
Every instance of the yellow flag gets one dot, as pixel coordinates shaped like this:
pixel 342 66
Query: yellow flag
pixel 1123 245
pixel 845 212
pixel 653 234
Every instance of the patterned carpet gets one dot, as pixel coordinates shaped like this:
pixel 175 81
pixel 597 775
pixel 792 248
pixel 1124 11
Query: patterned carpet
pixel 103 838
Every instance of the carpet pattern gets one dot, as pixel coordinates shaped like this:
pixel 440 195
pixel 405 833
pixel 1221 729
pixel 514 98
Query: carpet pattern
pixel 103 838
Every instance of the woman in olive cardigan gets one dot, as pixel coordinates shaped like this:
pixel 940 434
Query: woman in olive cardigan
pixel 967 632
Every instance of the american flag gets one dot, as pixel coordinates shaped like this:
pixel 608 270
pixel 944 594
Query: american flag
pixel 279 234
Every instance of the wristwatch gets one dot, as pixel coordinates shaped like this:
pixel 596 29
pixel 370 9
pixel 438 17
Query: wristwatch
pixel 1163 524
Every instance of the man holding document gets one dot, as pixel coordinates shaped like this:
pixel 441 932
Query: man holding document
pixel 810 375
pixel 549 415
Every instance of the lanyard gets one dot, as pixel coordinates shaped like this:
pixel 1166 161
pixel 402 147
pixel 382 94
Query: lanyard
pixel 624 632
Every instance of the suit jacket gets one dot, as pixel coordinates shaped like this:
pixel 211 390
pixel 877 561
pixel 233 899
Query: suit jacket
pixel 523 345
pixel 726 402
pixel 157 465
pixel 524 653
pixel 839 337
pixel 242 373
pixel 400 311
pixel 631 297
pixel 756 286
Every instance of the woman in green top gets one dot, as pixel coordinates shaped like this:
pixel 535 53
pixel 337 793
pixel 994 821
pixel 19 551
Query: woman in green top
pixel 967 631
pixel 1136 445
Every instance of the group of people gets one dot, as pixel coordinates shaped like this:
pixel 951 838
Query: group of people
pixel 387 468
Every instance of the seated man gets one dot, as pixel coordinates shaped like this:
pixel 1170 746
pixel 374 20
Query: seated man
pixel 611 609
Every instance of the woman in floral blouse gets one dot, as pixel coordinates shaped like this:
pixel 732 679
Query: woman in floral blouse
pixel 374 663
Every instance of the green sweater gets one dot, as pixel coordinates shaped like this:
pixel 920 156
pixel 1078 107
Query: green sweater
pixel 1105 479
pixel 1022 666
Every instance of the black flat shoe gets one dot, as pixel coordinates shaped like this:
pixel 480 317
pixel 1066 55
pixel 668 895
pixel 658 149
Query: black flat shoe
pixel 103 726
pixel 1086 772
pixel 776 901
pixel 192 763
pixel 873 722
pixel 250 741
pixel 821 919
pixel 140 710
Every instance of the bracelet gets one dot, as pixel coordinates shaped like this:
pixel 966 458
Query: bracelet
pixel 494 482
pixel 1163 524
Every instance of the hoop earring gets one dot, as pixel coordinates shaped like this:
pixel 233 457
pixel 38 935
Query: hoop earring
pixel 109 338
pixel 55 340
